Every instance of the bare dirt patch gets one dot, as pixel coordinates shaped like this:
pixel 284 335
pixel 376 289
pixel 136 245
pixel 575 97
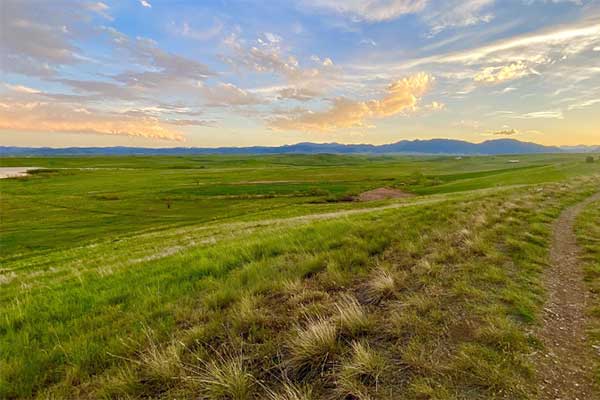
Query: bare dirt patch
pixel 565 363
pixel 382 194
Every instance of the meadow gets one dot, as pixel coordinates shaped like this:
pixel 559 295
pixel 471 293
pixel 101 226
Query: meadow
pixel 229 277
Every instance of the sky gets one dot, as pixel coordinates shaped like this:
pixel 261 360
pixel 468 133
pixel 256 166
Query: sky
pixel 171 73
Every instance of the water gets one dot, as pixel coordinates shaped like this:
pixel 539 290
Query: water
pixel 14 172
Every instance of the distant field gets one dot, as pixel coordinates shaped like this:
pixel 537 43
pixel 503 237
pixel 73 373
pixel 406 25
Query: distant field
pixel 80 199
pixel 246 277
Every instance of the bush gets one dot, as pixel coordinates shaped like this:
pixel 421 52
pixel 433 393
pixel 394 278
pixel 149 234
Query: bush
pixel 589 159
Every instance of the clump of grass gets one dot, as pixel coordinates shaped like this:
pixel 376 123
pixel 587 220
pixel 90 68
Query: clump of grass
pixel 366 366
pixel 312 347
pixel 226 379
pixel 352 316
pixel 289 391
pixel 380 287
pixel 246 314
pixel 160 364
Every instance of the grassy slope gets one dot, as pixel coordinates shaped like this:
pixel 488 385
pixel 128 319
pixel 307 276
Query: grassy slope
pixel 108 319
pixel 121 196
pixel 588 232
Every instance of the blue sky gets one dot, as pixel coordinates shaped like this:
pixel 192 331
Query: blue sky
pixel 236 73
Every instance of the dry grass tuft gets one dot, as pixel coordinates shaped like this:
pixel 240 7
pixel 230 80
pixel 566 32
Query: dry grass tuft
pixel 160 364
pixel 289 391
pixel 362 372
pixel 226 378
pixel 367 366
pixel 380 287
pixel 312 347
pixel 246 314
pixel 352 316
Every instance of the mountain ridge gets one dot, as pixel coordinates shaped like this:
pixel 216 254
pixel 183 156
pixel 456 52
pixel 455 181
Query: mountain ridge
pixel 426 147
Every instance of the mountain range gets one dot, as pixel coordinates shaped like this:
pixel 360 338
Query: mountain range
pixel 434 146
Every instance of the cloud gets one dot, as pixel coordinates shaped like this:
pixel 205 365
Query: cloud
pixel 444 14
pixel 437 14
pixel 552 114
pixel 147 53
pixel 45 117
pixel 227 94
pixel 100 8
pixel 468 124
pixel 146 4
pixel 187 30
pixel 21 88
pixel 295 93
pixel 502 73
pixel 40 36
pixel 505 132
pixel 402 96
pixel 370 10
pixel 537 48
pixel 267 56
pixel 435 106
pixel 584 104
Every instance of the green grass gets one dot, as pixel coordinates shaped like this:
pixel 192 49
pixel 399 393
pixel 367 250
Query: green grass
pixel 588 233
pixel 236 292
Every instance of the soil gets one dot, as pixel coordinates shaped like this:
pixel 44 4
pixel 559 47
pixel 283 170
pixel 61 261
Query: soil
pixel 382 194
pixel 565 364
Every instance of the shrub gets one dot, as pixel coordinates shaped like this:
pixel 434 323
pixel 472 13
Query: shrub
pixel 589 159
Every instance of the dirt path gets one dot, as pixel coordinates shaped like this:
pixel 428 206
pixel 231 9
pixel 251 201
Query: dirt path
pixel 565 364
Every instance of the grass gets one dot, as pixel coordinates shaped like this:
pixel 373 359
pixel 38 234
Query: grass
pixel 588 235
pixel 312 347
pixel 431 298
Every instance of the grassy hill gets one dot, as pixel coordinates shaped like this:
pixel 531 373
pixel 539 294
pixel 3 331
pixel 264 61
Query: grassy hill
pixel 230 277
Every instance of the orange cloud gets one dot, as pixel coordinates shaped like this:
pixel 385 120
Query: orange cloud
pixel 402 95
pixel 46 117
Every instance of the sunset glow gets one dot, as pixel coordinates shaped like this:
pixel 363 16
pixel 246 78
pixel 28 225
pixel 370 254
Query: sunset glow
pixel 237 73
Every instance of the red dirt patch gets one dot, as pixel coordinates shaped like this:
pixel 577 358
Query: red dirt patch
pixel 382 194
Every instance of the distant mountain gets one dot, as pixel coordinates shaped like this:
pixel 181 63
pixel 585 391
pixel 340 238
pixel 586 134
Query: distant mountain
pixel 434 146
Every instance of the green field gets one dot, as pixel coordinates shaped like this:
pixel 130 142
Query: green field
pixel 230 277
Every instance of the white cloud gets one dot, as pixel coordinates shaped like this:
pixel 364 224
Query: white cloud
pixel 227 94
pixel 441 15
pixel 584 104
pixel 145 4
pixel 268 56
pixel 368 10
pixel 552 114
pixel 200 34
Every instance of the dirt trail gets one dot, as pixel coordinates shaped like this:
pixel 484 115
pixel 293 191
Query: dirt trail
pixel 565 364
